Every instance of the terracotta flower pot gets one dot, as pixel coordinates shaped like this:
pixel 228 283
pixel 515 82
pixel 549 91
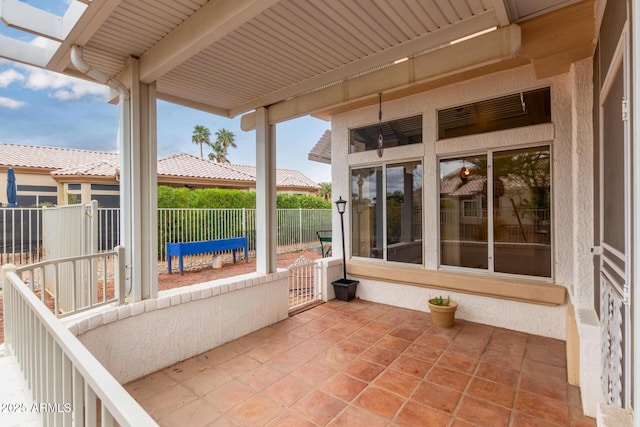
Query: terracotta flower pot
pixel 443 315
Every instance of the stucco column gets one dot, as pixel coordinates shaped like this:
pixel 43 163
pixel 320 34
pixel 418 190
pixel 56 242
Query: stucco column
pixel 266 215
pixel 138 187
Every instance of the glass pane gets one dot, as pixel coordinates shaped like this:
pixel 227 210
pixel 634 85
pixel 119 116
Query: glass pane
pixel 522 212
pixel 463 212
pixel 366 212
pixel 404 212
pixel 395 133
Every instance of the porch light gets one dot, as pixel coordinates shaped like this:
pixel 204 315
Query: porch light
pixel 464 174
pixel 341 204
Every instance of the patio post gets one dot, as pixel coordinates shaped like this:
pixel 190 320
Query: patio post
pixel 266 215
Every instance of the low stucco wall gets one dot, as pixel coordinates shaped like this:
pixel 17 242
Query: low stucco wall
pixel 543 320
pixel 140 338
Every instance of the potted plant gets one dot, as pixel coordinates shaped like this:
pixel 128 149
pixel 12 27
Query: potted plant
pixel 443 311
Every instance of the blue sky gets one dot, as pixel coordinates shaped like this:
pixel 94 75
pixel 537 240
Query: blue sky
pixel 38 107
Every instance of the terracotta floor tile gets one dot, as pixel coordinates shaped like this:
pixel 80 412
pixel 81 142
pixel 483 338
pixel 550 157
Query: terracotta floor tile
pixel 523 420
pixel 219 355
pixel 498 374
pixel 414 414
pixel 264 352
pixel 334 358
pixel 397 382
pixel 363 369
pixel 366 336
pixel 195 414
pixel 379 355
pixel 457 362
pixel 255 411
pixel 423 352
pixel 380 326
pixel 244 344
pixel 578 419
pixel 358 417
pixel 343 386
pixel 534 367
pixel 408 334
pixel 206 381
pixel 161 404
pixel 448 333
pixel 291 419
pixel 319 407
pixel 223 422
pixel 493 392
pixel 412 366
pixel 237 366
pixel 379 401
pixel 260 377
pixel 288 390
pixel 344 328
pixel 448 378
pixel 547 350
pixel 542 407
pixel 432 341
pixel 482 413
pixel 510 343
pixel 392 343
pixel 313 372
pixel 228 395
pixel 436 397
pixel 287 361
pixel 501 359
pixel 186 369
pixel 553 387
pixel 458 422
pixel 352 347
pixel 574 398
pixel 149 385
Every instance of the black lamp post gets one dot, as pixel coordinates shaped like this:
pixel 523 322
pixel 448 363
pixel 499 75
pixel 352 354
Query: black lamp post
pixel 342 204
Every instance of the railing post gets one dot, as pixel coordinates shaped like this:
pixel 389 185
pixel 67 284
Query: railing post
pixel 8 307
pixel 300 228
pixel 119 274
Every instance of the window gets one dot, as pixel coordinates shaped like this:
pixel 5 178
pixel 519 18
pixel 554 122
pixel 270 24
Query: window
pixel 506 112
pixel 386 212
pixel 396 132
pixel 516 237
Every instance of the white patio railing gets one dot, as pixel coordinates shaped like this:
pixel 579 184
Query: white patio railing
pixel 303 283
pixel 89 281
pixel 60 371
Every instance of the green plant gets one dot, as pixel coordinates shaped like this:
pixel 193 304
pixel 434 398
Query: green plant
pixel 439 300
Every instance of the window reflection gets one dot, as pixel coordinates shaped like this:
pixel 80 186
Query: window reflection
pixel 366 212
pixel 404 212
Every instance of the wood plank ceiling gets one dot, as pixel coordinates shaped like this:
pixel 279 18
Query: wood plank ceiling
pixel 231 56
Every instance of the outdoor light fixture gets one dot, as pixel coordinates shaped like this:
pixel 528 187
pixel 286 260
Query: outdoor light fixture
pixel 380 136
pixel 341 204
pixel 345 289
pixel 464 174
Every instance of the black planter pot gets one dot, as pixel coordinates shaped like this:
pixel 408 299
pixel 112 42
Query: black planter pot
pixel 345 289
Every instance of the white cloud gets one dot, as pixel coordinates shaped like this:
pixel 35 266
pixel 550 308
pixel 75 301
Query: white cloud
pixel 10 76
pixel 11 103
pixel 61 87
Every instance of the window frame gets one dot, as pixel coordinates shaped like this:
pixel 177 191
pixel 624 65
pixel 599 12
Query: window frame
pixel 490 271
pixel 384 165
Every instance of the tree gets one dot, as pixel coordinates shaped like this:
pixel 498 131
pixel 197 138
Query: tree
pixel 325 190
pixel 201 135
pixel 224 139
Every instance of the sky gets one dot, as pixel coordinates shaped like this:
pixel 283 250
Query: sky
pixel 38 107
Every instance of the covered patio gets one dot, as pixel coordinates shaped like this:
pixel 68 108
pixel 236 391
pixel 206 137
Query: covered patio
pixel 367 364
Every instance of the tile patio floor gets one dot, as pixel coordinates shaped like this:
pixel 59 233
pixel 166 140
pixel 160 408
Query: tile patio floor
pixel 366 364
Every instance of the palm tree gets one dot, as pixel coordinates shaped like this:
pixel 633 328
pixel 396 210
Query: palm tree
pixel 201 135
pixel 224 139
pixel 325 190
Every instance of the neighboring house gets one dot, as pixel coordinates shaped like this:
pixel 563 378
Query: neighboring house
pixel 57 175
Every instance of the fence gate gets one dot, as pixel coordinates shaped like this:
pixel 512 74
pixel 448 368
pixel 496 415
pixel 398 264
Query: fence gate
pixel 70 231
pixel 304 288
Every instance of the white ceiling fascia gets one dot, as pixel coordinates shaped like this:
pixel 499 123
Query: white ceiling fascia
pixel 428 41
pixel 502 13
pixel 22 16
pixel 24 52
pixel 207 25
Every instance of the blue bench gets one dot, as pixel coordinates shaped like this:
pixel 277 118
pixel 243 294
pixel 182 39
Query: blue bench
pixel 205 246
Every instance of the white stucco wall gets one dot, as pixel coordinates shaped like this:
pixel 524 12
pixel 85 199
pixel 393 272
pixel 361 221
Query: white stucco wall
pixel 570 230
pixel 140 338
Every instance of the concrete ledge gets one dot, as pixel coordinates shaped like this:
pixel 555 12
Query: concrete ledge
pixel 183 322
pixel 530 291
pixel 610 416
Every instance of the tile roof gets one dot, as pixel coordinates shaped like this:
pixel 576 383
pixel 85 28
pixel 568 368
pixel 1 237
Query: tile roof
pixel 321 152
pixel 73 162
pixel 31 156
